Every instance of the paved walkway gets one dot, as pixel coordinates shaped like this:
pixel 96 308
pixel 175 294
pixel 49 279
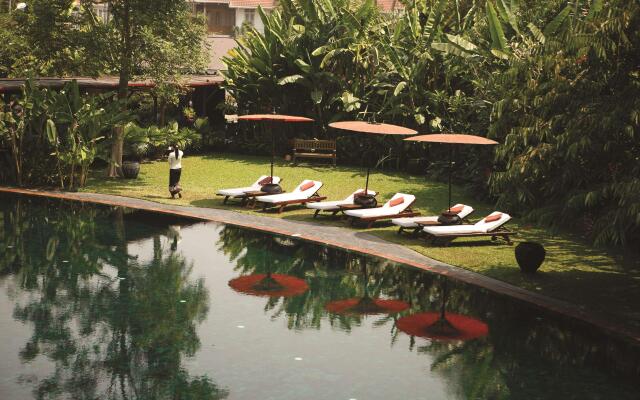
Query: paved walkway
pixel 351 240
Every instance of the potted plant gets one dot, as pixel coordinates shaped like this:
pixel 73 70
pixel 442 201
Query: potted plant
pixel 136 146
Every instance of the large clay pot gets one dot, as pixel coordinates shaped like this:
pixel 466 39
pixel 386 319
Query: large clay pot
pixel 130 169
pixel 530 256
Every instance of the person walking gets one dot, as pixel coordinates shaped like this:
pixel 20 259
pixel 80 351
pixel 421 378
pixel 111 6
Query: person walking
pixel 175 170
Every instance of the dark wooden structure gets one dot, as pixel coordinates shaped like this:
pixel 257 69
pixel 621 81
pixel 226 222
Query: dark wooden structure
pixel 206 91
pixel 104 83
pixel 305 148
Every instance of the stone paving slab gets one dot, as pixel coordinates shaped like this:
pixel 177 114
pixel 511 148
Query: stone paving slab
pixel 351 240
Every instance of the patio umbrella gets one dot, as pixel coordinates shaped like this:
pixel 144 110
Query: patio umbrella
pixel 443 326
pixel 371 128
pixel 451 138
pixel 366 305
pixel 273 188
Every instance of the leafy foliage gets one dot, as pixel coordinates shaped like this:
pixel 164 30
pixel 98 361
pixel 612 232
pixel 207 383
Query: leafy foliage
pixel 152 141
pixel 568 120
pixel 53 136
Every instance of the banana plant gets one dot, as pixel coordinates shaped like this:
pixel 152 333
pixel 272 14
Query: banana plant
pixel 75 127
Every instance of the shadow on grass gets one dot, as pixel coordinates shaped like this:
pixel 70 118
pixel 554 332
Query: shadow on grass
pixel 607 293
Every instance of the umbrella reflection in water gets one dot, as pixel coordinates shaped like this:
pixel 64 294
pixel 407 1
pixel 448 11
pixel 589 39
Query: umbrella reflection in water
pixel 366 305
pixel 269 284
pixel 443 326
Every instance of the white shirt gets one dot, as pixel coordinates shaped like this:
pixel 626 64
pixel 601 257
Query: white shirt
pixel 173 162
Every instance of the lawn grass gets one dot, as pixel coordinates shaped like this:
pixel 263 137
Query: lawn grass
pixel 598 279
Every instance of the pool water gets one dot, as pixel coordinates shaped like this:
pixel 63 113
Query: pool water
pixel 112 303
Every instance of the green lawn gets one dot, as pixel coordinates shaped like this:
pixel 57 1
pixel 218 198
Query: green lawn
pixel 599 279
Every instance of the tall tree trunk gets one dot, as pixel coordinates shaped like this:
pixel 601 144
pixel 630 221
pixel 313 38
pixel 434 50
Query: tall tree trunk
pixel 115 168
pixel 16 151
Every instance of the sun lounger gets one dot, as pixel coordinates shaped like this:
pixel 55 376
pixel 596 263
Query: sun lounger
pixel 334 206
pixel 306 192
pixel 417 223
pixel 240 192
pixel 398 207
pixel 491 225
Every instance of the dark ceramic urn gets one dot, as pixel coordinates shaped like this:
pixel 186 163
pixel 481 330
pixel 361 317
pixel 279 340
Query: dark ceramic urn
pixel 530 256
pixel 130 169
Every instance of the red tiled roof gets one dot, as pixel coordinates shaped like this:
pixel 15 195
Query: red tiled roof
pixel 389 5
pixel 252 3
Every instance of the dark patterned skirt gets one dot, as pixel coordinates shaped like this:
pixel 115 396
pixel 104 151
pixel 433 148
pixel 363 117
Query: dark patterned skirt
pixel 174 178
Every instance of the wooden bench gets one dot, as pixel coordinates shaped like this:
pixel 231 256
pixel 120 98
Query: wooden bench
pixel 305 148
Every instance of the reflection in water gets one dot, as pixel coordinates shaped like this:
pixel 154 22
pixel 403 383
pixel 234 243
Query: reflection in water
pixel 117 326
pixel 441 325
pixel 114 328
pixel 269 284
pixel 528 355
pixel 368 304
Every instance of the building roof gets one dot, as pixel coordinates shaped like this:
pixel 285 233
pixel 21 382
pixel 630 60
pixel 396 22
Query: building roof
pixel 219 47
pixel 389 5
pixel 268 4
pixel 105 82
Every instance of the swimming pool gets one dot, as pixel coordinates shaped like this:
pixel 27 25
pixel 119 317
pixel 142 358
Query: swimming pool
pixel 105 302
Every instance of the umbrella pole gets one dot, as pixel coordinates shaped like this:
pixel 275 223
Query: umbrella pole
pixel 366 187
pixel 273 150
pixel 366 277
pixel 443 305
pixel 450 171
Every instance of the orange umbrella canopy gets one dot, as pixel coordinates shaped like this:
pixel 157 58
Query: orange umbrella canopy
pixel 454 138
pixel 273 117
pixel 372 128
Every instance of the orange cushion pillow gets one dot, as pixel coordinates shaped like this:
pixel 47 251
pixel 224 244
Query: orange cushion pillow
pixel 494 217
pixel 457 209
pixel 397 201
pixel 265 181
pixel 306 186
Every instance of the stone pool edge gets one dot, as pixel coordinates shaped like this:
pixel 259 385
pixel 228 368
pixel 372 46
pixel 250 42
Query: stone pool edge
pixel 310 232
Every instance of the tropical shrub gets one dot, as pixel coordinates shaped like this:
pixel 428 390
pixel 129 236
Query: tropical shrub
pixel 283 69
pixel 75 126
pixel 569 120
pixel 53 137
pixel 153 141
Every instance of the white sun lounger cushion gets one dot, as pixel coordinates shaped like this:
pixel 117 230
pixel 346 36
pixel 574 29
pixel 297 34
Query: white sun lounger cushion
pixel 238 192
pixel 479 227
pixel 386 209
pixel 335 205
pixel 297 194
pixel 412 222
